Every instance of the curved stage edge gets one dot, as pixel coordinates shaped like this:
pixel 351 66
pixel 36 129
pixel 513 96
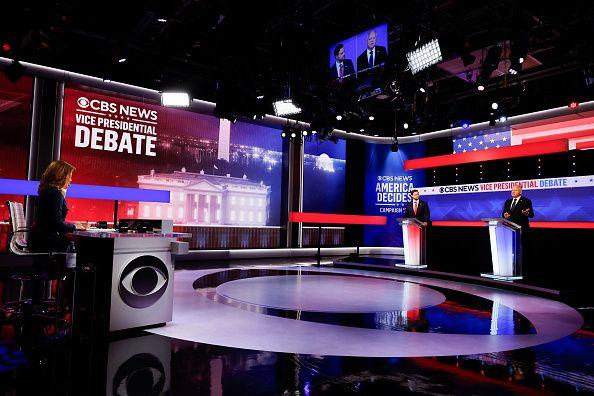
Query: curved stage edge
pixel 201 316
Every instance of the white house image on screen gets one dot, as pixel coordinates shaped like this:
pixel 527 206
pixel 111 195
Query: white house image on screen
pixel 197 198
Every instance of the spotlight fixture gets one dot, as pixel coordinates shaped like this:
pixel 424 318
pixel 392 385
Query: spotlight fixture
pixel 489 64
pixel 285 107
pixel 260 97
pixel 314 132
pixel 518 50
pixel 284 134
pixel 465 125
pixel 573 105
pixel 162 20
pixel 422 90
pixel 122 60
pixel 362 130
pixel 175 99
pixel 424 56
pixel 405 125
pixel 293 135
pixel 480 87
pixel 338 117
pixel 6 47
pixel 394 147
pixel 371 118
pixel 494 105
pixel 502 118
pixel 304 133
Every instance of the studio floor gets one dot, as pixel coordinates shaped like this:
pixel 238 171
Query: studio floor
pixel 291 328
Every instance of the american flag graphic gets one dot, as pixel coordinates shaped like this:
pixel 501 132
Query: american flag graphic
pixel 578 132
pixel 482 140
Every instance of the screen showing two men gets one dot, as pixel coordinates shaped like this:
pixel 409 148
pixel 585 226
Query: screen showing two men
pixel 359 53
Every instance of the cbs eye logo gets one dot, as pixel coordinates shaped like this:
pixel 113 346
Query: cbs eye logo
pixel 83 102
pixel 143 281
pixel 142 374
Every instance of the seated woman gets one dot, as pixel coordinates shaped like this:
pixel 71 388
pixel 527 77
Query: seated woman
pixel 49 227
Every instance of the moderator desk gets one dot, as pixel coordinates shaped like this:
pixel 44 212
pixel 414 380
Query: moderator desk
pixel 124 281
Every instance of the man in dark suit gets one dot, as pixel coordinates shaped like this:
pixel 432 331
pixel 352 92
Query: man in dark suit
pixel 418 209
pixel 518 209
pixel 342 67
pixel 374 55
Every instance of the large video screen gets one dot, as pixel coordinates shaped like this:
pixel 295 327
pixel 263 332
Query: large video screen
pixel 359 53
pixel 324 176
pixel 387 189
pixel 553 199
pixel 15 124
pixel 218 173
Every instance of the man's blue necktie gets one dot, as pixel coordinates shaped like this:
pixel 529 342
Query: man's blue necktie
pixel 371 59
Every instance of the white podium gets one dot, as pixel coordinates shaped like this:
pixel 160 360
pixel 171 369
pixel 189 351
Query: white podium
pixel 506 249
pixel 413 235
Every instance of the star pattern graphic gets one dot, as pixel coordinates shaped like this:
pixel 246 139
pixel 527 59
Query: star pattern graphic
pixel 489 139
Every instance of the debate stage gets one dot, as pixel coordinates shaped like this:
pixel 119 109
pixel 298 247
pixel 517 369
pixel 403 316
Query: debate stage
pixel 346 312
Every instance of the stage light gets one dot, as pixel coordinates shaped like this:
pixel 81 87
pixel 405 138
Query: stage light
pixel 405 125
pixel 512 71
pixel 314 132
pixel 6 47
pixel 489 64
pixel 285 107
pixel 362 130
pixel 122 60
pixel 520 60
pixel 283 134
pixel 424 56
pixel 480 87
pixel 338 117
pixel 293 135
pixel 573 105
pixel 422 90
pixel 394 147
pixel 502 118
pixel 494 105
pixel 465 125
pixel 162 20
pixel 371 118
pixel 304 133
pixel 260 97
pixel 175 99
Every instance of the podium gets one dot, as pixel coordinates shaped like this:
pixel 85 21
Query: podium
pixel 413 235
pixel 506 249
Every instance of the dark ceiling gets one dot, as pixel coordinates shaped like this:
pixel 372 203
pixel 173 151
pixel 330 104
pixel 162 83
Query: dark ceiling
pixel 241 49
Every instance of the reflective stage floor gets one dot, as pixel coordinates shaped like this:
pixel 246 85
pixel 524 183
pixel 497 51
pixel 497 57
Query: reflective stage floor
pixel 287 329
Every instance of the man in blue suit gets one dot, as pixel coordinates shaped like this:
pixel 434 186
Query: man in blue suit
pixel 342 67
